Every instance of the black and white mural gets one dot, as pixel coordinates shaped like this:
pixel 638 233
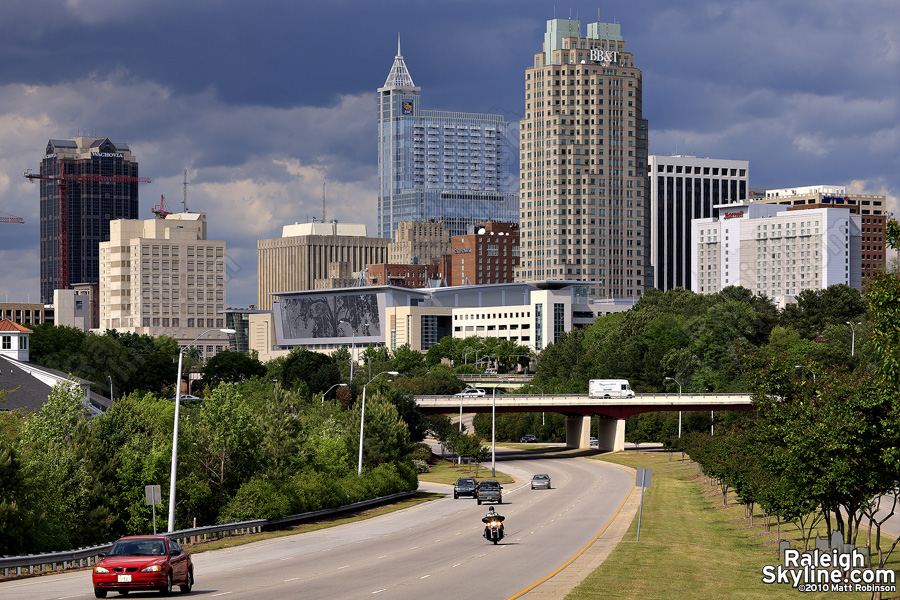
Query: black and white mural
pixel 329 318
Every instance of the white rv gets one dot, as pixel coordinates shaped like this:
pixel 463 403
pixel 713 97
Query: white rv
pixel 610 388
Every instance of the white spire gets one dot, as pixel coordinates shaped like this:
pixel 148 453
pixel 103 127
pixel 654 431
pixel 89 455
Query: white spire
pixel 399 78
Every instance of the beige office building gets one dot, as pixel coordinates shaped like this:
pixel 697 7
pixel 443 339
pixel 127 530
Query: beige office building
pixel 163 277
pixel 307 252
pixel 419 243
pixel 583 183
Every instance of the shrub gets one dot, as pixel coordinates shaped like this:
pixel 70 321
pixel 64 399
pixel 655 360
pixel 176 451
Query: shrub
pixel 256 499
pixel 421 452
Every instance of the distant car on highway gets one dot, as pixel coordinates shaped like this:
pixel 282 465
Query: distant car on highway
pixel 528 439
pixel 541 480
pixel 594 441
pixel 143 562
pixel 489 491
pixel 465 486
pixel 471 393
pixel 184 397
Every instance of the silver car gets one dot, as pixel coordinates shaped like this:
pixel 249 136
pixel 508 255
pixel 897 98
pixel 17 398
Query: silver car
pixel 541 480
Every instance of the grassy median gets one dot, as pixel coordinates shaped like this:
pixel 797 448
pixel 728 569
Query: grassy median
pixel 692 546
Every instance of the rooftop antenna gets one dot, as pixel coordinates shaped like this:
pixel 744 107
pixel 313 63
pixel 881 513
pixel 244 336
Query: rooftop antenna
pixel 323 202
pixel 184 191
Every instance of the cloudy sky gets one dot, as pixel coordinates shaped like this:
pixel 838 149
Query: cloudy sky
pixel 263 101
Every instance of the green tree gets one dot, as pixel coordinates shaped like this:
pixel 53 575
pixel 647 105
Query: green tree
pixel 231 367
pixel 318 371
pixel 386 436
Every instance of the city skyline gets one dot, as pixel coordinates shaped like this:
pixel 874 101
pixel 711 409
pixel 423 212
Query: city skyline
pixel 807 93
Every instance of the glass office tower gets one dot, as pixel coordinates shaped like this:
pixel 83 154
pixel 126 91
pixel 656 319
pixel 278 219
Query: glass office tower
pixel 448 166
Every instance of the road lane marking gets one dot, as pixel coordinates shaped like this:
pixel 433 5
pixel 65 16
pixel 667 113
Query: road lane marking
pixel 383 556
pixel 291 579
pixel 424 576
pixel 379 591
pixel 456 565
pixel 221 594
pixel 344 567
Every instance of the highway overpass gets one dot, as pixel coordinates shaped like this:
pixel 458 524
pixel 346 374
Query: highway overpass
pixel 579 408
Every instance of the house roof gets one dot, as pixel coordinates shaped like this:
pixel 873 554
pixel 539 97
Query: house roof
pixel 7 325
pixel 24 391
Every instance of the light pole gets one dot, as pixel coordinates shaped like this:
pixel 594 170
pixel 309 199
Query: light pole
pixel 543 423
pixel 853 337
pixel 679 399
pixel 808 369
pixel 175 427
pixel 111 393
pixel 466 356
pixel 331 388
pixel 352 344
pixel 493 432
pixel 362 416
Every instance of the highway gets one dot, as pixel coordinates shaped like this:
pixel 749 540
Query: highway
pixel 434 550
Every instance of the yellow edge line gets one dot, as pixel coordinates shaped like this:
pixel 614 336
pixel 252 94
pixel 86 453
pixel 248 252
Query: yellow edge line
pixel 589 544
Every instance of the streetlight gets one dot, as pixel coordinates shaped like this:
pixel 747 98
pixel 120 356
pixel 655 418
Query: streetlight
pixel 679 399
pixel 853 338
pixel 175 427
pixel 466 355
pixel 352 343
pixel 493 432
pixel 331 388
pixel 808 369
pixel 111 393
pixel 543 423
pixel 362 416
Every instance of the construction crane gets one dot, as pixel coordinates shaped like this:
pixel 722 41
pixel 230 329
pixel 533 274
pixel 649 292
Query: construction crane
pixel 63 181
pixel 10 218
pixel 160 210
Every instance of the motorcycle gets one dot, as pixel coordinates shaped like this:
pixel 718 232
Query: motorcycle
pixel 493 528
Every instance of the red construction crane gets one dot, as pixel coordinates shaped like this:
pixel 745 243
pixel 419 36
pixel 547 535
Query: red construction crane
pixel 63 185
pixel 160 210
pixel 10 218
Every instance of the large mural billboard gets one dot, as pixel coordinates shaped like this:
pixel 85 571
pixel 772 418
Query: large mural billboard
pixel 329 318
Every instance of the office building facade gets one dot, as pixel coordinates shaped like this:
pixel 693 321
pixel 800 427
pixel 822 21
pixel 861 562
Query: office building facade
pixel 684 188
pixel 872 210
pixel 91 204
pixel 488 255
pixel 164 277
pixel 775 251
pixel 448 166
pixel 419 243
pixel 583 191
pixel 308 254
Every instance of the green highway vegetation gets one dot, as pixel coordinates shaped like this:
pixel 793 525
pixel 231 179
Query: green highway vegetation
pixel 694 546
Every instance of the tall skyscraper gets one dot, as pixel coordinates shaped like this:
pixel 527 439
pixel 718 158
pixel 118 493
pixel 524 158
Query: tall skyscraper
pixel 448 166
pixel 583 164
pixel 684 188
pixel 100 180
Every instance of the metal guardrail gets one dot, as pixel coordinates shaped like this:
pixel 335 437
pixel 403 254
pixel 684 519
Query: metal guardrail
pixel 86 557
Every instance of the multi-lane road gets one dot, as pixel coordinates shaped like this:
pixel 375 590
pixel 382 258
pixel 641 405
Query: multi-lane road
pixel 434 550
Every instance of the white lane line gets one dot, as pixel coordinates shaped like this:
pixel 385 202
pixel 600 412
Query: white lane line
pixel 344 567
pixel 456 565
pixel 291 579
pixel 379 591
pixel 424 576
pixel 383 556
pixel 221 594
pixel 414 548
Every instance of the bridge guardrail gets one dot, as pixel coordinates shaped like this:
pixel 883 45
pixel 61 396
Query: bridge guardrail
pixel 86 557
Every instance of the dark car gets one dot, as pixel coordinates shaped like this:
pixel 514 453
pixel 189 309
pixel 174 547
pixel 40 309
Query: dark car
pixel 143 562
pixel 528 439
pixel 541 480
pixel 465 486
pixel 489 491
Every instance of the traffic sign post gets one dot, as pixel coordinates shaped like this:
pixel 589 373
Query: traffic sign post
pixel 643 476
pixel 153 496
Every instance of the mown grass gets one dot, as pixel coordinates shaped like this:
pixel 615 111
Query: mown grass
pixel 692 546
pixel 445 471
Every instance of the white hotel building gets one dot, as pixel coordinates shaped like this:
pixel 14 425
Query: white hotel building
pixel 775 251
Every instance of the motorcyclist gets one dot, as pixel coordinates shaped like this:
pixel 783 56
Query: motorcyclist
pixel 491 516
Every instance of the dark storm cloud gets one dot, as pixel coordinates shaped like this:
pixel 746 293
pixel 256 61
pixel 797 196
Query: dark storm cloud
pixel 265 101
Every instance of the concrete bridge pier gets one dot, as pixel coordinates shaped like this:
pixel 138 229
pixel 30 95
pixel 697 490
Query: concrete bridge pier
pixel 610 437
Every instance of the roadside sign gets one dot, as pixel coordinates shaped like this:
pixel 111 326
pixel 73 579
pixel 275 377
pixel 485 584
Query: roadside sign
pixel 642 478
pixel 152 495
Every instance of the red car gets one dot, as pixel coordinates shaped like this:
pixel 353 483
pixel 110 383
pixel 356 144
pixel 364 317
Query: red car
pixel 144 562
